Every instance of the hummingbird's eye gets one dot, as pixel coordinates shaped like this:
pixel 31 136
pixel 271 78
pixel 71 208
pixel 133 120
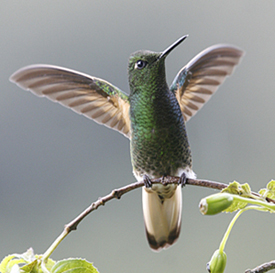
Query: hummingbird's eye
pixel 140 64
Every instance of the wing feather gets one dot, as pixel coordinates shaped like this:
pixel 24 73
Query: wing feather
pixel 200 78
pixel 90 96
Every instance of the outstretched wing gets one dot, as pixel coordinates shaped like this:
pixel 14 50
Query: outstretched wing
pixel 200 78
pixel 86 95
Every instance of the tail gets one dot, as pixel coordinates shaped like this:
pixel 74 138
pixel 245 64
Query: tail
pixel 162 215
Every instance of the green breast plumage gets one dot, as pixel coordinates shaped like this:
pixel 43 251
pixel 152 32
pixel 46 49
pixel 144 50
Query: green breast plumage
pixel 159 144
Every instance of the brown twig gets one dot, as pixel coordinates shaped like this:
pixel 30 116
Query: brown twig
pixel 117 193
pixel 262 268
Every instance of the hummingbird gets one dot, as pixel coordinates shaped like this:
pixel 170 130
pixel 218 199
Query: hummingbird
pixel 152 117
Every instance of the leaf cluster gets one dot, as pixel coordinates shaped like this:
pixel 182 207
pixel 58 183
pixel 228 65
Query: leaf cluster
pixel 28 262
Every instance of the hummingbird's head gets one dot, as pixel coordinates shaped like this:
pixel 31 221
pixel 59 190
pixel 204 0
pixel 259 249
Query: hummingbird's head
pixel 146 69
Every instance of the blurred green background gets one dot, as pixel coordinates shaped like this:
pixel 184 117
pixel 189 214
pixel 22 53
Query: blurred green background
pixel 54 163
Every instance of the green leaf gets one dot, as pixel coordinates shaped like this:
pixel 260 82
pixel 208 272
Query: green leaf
pixel 10 262
pixel 269 191
pixel 28 262
pixel 24 263
pixel 240 189
pixel 74 266
pixel 236 205
pixel 30 267
pixel 5 265
pixel 50 263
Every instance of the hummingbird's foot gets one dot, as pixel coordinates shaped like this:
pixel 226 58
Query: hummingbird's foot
pixel 147 181
pixel 183 179
pixel 163 180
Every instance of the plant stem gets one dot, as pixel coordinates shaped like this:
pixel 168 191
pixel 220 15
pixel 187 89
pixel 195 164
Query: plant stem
pixel 267 205
pixel 55 244
pixel 227 233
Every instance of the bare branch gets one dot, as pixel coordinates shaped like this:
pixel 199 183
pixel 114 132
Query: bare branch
pixel 262 268
pixel 117 193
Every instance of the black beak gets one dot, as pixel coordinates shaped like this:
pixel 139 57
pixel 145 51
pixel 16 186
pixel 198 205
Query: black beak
pixel 171 47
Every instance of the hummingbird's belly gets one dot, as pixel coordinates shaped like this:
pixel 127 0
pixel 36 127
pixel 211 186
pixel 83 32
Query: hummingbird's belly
pixel 159 153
